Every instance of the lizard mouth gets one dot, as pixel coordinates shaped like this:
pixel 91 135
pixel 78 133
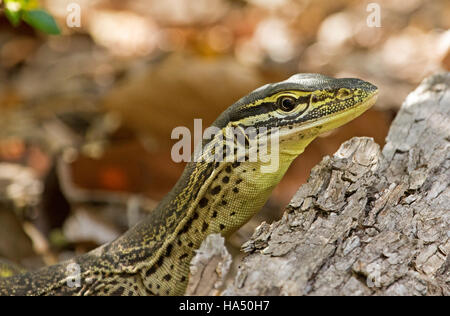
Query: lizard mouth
pixel 340 118
pixel 349 114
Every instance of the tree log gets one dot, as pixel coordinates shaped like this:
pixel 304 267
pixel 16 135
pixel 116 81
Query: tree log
pixel 367 222
pixel 209 267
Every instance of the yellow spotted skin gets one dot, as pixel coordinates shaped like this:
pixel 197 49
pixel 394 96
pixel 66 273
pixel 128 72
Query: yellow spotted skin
pixel 153 257
pixel 8 269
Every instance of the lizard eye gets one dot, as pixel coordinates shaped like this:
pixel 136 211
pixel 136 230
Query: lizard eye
pixel 286 103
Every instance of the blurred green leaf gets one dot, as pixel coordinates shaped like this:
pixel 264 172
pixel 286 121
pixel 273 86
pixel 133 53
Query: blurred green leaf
pixel 13 11
pixel 30 4
pixel 16 5
pixel 42 21
pixel 13 16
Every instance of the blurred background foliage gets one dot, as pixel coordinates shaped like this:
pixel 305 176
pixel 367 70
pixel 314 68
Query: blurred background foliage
pixel 28 11
pixel 86 117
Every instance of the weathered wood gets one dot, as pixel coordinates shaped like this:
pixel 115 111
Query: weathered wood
pixel 367 222
pixel 209 267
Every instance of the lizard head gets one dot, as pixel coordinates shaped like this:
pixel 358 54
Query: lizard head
pixel 301 107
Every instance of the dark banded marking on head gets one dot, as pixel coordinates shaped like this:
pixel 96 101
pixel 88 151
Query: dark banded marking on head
pixel 315 96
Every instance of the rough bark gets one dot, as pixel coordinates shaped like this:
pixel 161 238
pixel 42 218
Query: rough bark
pixel 367 222
pixel 209 267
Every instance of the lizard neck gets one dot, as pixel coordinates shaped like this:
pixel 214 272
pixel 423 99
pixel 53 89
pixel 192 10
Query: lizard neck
pixel 210 197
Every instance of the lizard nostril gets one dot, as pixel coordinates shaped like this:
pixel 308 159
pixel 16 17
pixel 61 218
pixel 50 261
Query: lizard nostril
pixel 343 93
